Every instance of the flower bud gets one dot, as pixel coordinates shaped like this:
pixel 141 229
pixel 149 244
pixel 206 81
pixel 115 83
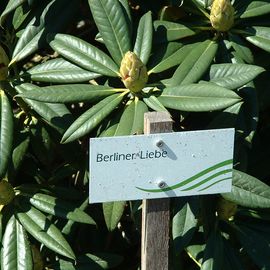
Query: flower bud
pixel 222 15
pixel 133 72
pixel 225 209
pixel 4 61
pixel 7 193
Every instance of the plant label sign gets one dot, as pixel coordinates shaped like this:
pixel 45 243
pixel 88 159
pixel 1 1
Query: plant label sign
pixel 161 165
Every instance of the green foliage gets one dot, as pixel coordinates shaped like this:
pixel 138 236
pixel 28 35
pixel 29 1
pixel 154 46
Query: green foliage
pixel 64 85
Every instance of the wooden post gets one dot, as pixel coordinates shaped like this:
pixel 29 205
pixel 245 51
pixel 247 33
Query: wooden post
pixel 156 212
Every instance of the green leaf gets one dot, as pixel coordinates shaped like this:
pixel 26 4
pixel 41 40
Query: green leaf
pixel 91 118
pixel 57 115
pixel 59 71
pixel 198 97
pixel 195 251
pixel 104 260
pixel 90 261
pixel 195 64
pixel 226 118
pixel 167 57
pixel 42 229
pixel 57 207
pixel 259 36
pixel 255 8
pixel 110 131
pixel 233 76
pixel 68 229
pixel 143 44
pixel 232 257
pixel 83 54
pixel 41 143
pixel 241 48
pixel 153 103
pixel 6 133
pixel 12 5
pixel 113 212
pixel 131 121
pixel 249 113
pixel 213 253
pixel 16 251
pixel 34 35
pixel 255 243
pixel 248 191
pixel 21 13
pixel 113 27
pixel 184 222
pixel 70 93
pixel 125 7
pixel 169 31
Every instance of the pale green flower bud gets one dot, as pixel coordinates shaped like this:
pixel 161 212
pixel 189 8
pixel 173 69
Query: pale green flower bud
pixel 222 15
pixel 4 61
pixel 133 72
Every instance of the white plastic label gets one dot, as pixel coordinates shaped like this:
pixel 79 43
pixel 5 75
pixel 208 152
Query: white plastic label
pixel 161 165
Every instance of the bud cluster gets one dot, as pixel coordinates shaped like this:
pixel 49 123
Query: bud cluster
pixel 133 72
pixel 222 15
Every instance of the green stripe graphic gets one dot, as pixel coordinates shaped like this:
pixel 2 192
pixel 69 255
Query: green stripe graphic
pixel 221 180
pixel 195 177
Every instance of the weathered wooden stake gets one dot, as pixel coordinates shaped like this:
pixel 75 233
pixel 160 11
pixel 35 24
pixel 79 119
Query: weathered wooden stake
pixel 156 212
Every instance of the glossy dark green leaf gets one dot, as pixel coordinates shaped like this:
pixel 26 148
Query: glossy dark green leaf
pixel 57 207
pixel 131 121
pixel 90 261
pixel 213 253
pixel 59 71
pixel 57 115
pixel 255 243
pixel 169 31
pixel 83 54
pixel 16 250
pixel 232 257
pixel 143 44
pixel 249 113
pixel 255 8
pixel 6 132
pixel 259 36
pixel 169 56
pixel 41 143
pixel 91 118
pixel 226 118
pixel 43 230
pixel 153 103
pixel 69 227
pixel 200 3
pixel 233 76
pixel 195 252
pixel 198 97
pixel 34 35
pixel 20 15
pixel 248 191
pixel 127 13
pixel 113 212
pixel 12 5
pixel 184 222
pixel 241 48
pixel 113 27
pixel 103 260
pixel 70 93
pixel 195 64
